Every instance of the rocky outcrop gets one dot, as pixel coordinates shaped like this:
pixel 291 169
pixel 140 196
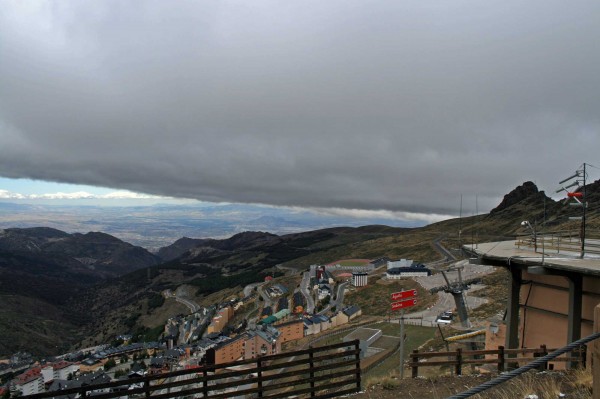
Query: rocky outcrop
pixel 517 195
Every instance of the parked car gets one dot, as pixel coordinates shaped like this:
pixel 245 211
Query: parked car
pixel 445 318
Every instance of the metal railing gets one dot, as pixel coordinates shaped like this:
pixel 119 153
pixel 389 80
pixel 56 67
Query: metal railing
pixel 316 372
pixel 559 242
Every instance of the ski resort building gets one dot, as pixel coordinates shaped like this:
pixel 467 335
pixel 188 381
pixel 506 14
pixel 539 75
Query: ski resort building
pixel 551 298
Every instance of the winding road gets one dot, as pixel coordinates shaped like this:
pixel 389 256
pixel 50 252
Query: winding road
pixel 304 288
pixel 193 306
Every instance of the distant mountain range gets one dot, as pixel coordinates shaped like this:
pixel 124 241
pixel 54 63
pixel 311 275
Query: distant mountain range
pixel 56 287
pixel 156 226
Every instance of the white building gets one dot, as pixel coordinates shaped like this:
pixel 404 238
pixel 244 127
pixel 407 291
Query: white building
pixel 323 292
pixel 30 382
pixel 359 279
pixel 401 272
pixel 399 263
pixel 59 371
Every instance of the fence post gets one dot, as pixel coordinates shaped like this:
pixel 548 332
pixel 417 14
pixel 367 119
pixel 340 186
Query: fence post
pixel 147 387
pixel 259 377
pixel 583 356
pixel 500 359
pixel 544 353
pixel 415 363
pixel 205 383
pixel 596 355
pixel 311 365
pixel 458 366
pixel 357 358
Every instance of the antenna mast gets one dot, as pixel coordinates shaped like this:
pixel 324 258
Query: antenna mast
pixel 460 224
pixel 583 218
pixel 575 195
pixel 477 214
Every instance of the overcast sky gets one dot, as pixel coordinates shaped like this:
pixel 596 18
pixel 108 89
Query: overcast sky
pixel 393 105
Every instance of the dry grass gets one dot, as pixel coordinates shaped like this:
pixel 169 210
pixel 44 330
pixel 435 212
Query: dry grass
pixel 374 299
pixel 496 291
pixel 388 382
pixel 545 385
pixel 582 379
pixel 411 243
pixel 527 384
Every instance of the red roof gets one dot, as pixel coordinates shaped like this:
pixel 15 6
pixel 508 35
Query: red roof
pixel 61 365
pixel 29 375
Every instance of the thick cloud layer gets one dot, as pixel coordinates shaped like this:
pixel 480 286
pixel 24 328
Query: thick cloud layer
pixel 344 104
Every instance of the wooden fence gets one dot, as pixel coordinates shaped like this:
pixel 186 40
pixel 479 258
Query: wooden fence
pixel 317 372
pixel 500 357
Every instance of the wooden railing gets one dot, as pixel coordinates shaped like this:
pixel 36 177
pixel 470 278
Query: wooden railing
pixel 317 372
pixel 501 357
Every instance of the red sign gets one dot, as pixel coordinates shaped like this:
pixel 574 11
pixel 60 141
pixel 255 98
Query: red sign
pixel 404 304
pixel 404 295
pixel 577 194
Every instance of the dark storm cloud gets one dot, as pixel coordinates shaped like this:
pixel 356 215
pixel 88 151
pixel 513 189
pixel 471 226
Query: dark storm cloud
pixel 340 104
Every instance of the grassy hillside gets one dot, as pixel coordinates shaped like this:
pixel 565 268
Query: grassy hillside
pixel 374 299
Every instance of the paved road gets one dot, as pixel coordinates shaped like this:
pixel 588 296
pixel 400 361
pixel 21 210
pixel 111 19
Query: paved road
pixel 339 301
pixel 304 288
pixel 193 306
pixel 446 301
pixel 293 271
pixel 265 297
pixel 249 288
pixel 442 250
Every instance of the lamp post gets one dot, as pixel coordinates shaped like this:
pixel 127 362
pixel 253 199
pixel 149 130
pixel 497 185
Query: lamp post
pixel 526 223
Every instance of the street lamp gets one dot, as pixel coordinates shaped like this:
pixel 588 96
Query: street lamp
pixel 526 223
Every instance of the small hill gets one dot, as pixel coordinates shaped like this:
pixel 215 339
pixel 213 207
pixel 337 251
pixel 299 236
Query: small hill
pixel 178 248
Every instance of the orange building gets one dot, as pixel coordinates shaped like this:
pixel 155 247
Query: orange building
pixel 291 330
pixel 220 320
pixel 228 351
pixel 262 342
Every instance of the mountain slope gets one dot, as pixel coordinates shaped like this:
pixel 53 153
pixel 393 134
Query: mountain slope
pixel 44 272
pixel 210 265
pixel 103 254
